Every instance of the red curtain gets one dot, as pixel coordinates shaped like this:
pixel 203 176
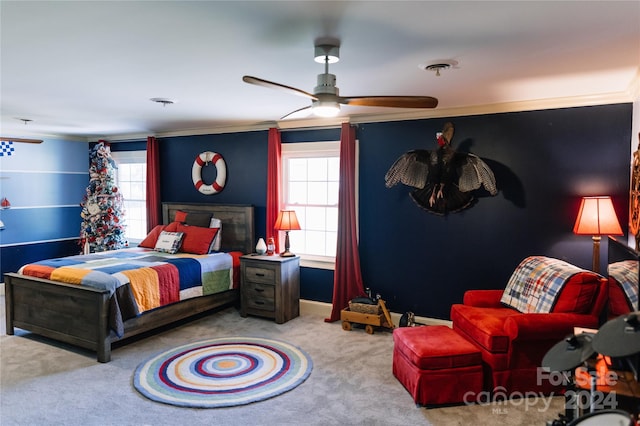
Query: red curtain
pixel 154 215
pixel 273 183
pixel 347 279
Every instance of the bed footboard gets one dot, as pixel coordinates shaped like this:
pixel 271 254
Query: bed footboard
pixel 79 315
pixel 69 313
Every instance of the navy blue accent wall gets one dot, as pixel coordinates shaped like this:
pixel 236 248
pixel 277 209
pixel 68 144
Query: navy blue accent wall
pixel 13 257
pixel 544 162
pixel 126 146
pixel 245 155
pixel 321 135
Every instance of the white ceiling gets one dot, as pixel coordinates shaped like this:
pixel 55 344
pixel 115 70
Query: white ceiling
pixel 89 68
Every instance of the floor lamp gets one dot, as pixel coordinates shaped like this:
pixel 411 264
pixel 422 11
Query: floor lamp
pixel 597 217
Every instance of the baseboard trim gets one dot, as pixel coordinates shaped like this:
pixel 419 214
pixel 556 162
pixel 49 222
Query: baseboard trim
pixel 311 307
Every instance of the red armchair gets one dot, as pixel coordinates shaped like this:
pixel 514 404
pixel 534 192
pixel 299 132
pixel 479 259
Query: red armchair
pixel 513 343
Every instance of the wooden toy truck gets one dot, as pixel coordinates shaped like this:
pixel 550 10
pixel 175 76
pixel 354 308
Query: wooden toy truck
pixel 370 319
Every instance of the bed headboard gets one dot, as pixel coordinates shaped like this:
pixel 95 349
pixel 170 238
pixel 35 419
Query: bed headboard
pixel 237 222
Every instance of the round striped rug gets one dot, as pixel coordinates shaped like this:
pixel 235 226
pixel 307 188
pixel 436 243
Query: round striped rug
pixel 222 372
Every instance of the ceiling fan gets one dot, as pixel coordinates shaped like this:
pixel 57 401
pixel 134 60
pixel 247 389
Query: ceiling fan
pixel 326 101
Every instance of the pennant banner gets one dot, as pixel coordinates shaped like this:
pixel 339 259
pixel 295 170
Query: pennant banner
pixel 6 148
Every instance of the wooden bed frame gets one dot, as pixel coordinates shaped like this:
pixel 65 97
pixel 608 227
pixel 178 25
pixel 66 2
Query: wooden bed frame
pixel 79 315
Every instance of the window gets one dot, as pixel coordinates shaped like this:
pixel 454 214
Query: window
pixel 311 178
pixel 131 179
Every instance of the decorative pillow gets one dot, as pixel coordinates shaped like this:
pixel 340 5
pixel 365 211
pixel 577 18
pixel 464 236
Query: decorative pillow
pixel 152 237
pixel 197 240
pixel 579 293
pixel 217 241
pixel 625 273
pixel 198 219
pixel 180 216
pixel 169 242
pixel 172 227
pixel 542 284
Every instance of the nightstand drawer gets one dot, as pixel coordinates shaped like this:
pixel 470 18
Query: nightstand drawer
pixel 255 290
pixel 261 303
pixel 260 275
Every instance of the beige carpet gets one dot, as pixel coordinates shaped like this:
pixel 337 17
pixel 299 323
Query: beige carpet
pixel 46 383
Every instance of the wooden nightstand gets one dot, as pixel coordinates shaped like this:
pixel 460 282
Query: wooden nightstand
pixel 270 287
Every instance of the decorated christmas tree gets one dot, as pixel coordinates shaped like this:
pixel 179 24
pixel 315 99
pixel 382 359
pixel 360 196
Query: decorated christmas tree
pixel 102 206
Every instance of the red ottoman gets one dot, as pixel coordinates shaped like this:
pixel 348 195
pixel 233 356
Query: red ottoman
pixel 436 365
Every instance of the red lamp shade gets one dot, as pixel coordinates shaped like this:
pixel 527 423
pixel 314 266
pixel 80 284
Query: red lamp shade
pixel 597 217
pixel 287 221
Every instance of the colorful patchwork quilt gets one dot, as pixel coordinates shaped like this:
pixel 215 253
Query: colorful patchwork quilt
pixel 626 273
pixel 536 284
pixel 140 279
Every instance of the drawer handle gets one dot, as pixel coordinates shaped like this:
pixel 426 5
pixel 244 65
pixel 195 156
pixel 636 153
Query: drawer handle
pixel 259 274
pixel 258 302
pixel 260 290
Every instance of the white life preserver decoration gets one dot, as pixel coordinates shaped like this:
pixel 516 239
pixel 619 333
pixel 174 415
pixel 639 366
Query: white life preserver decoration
pixel 221 168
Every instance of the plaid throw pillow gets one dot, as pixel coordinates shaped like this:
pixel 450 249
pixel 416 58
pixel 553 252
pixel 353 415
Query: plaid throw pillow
pixel 169 242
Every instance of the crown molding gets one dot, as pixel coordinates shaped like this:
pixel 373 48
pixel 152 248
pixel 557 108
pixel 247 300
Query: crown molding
pixel 499 108
pixel 631 94
pixel 634 87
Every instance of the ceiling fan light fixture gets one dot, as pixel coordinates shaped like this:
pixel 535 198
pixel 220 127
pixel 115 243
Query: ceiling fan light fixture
pixel 328 52
pixel 326 108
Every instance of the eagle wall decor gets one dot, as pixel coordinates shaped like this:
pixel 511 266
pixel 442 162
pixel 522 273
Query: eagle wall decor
pixel 444 178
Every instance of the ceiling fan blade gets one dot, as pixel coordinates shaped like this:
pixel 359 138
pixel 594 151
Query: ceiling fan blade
pixel 299 113
pixel 390 101
pixel 8 139
pixel 272 85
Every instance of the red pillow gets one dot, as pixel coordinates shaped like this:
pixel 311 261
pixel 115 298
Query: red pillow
pixel 151 239
pixel 172 227
pixel 197 240
pixel 579 294
pixel 181 216
pixel 618 302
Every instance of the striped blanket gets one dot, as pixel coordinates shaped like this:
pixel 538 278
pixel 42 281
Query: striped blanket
pixel 140 279
pixel 626 273
pixel 536 284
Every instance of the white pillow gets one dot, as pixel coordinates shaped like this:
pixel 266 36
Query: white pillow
pixel 169 242
pixel 217 241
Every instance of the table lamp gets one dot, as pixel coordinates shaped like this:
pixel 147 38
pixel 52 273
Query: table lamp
pixel 287 221
pixel 597 217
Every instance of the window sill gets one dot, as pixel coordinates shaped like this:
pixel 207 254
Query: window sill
pixel 318 264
